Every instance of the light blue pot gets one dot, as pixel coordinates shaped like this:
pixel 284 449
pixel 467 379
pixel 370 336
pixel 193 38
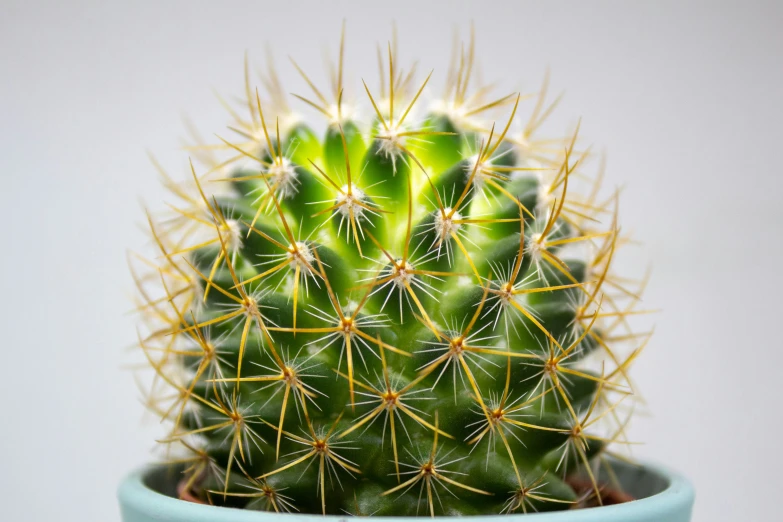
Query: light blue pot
pixel 664 496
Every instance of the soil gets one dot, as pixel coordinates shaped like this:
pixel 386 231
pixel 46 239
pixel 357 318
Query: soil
pixel 187 495
pixel 609 495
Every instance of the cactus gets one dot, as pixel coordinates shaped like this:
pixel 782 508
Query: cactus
pixel 416 314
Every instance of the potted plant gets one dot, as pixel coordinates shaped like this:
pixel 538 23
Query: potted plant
pixel 417 314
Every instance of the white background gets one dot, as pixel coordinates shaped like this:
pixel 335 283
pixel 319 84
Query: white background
pixel 685 98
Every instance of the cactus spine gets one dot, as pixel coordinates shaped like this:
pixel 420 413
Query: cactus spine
pixel 416 314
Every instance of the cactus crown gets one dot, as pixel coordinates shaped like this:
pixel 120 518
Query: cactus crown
pixel 414 317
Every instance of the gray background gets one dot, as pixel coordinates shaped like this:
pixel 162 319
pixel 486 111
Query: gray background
pixel 685 98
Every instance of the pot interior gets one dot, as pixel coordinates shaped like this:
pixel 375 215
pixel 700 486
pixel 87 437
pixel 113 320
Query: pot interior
pixel 637 481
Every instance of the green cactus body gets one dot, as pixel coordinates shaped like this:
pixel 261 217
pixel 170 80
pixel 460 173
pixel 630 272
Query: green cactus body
pixel 412 315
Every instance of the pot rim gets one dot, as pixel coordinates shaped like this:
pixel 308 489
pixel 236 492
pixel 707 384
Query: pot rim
pixel 675 499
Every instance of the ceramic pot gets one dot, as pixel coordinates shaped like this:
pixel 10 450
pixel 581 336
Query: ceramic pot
pixel 148 495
